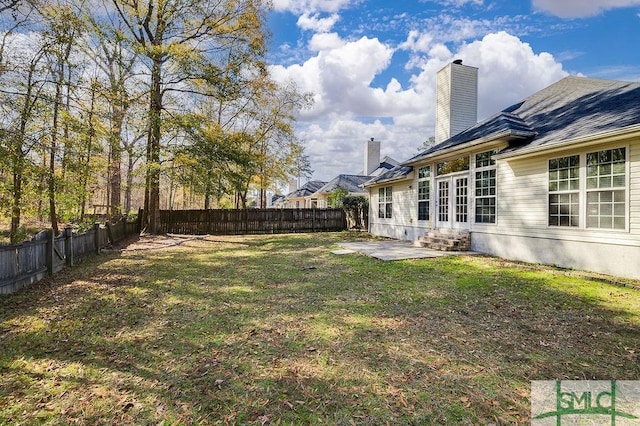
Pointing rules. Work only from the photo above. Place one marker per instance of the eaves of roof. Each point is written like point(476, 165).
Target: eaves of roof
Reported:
point(504, 125)
point(397, 174)
point(597, 138)
point(508, 135)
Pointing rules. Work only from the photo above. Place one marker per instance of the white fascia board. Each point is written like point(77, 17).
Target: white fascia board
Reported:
point(465, 146)
point(594, 139)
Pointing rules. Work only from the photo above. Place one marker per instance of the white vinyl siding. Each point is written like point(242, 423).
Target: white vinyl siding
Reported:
point(523, 192)
point(404, 222)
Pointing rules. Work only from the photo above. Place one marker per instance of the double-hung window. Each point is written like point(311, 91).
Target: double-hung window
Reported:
point(606, 189)
point(424, 193)
point(485, 184)
point(385, 205)
point(564, 191)
point(603, 186)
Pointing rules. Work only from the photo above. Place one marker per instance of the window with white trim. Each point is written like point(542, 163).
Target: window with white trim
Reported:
point(485, 187)
point(424, 192)
point(385, 205)
point(603, 184)
point(564, 191)
point(606, 189)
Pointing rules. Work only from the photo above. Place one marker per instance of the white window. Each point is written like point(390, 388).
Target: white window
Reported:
point(606, 189)
point(602, 186)
point(424, 192)
point(385, 205)
point(564, 191)
point(485, 185)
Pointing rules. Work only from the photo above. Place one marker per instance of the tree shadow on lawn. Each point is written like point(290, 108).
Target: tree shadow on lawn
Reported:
point(211, 331)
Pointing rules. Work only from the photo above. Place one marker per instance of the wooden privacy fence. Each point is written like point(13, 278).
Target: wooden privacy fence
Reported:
point(26, 263)
point(251, 221)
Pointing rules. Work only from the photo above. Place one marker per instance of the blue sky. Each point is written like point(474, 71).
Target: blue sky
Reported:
point(371, 64)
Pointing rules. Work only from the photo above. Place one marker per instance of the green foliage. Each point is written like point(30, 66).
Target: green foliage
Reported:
point(335, 199)
point(185, 83)
point(357, 209)
point(430, 142)
point(215, 162)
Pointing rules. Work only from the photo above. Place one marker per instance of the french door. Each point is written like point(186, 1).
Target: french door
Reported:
point(452, 202)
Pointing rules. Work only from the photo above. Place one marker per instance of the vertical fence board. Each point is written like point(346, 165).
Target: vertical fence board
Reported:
point(26, 263)
point(251, 221)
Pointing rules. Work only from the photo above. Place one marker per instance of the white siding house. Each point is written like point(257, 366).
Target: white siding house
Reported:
point(554, 179)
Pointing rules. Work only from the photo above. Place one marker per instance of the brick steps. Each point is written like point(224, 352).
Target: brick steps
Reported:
point(445, 240)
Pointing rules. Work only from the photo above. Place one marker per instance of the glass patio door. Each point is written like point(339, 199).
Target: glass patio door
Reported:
point(452, 202)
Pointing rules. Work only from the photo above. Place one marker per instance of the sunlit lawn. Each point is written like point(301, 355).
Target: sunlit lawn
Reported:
point(278, 330)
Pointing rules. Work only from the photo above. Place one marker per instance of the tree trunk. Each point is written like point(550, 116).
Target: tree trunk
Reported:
point(52, 157)
point(127, 192)
point(115, 154)
point(85, 177)
point(17, 199)
point(153, 151)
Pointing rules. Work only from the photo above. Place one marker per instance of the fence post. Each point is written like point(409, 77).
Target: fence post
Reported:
point(139, 220)
point(96, 239)
point(51, 251)
point(109, 232)
point(68, 246)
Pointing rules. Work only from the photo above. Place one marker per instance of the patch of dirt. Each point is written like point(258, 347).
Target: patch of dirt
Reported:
point(153, 242)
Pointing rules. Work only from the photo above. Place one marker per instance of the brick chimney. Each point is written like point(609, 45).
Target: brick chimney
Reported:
point(371, 156)
point(456, 99)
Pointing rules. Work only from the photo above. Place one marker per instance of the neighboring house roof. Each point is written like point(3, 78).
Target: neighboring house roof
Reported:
point(572, 108)
point(396, 173)
point(386, 164)
point(350, 183)
point(307, 189)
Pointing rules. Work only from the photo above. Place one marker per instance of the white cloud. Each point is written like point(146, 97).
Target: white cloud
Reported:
point(340, 74)
point(316, 24)
point(446, 28)
point(580, 8)
point(417, 42)
point(352, 106)
point(325, 42)
point(509, 70)
point(312, 6)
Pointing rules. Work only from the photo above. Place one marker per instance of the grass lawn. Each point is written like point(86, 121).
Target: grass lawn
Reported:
point(278, 330)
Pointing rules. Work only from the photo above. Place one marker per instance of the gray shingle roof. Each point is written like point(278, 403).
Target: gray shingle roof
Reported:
point(577, 107)
point(350, 183)
point(571, 108)
point(307, 189)
point(396, 173)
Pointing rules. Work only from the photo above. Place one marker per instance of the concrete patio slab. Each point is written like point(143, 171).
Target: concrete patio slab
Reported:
point(393, 250)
